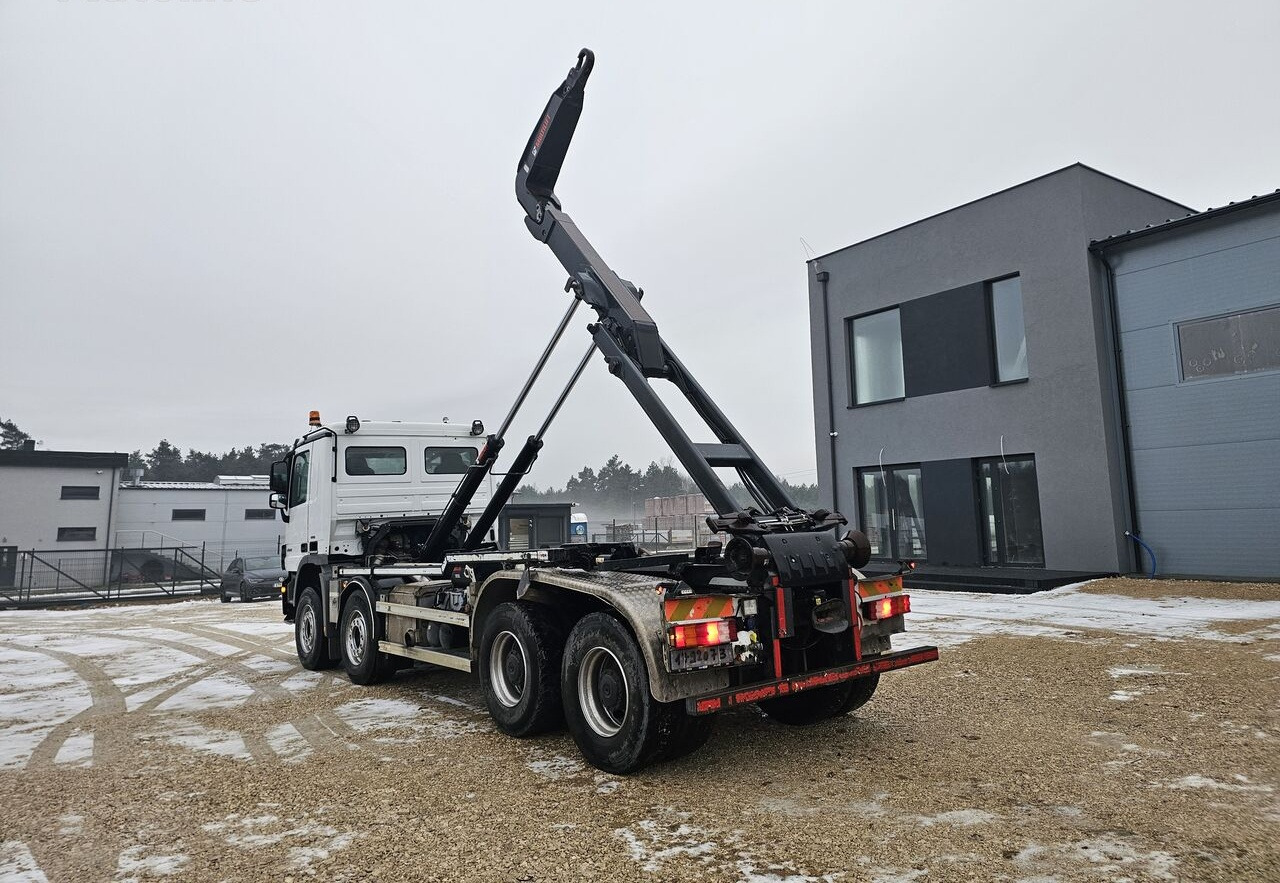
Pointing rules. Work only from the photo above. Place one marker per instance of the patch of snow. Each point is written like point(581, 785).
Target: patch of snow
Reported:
point(76, 750)
point(652, 845)
point(885, 875)
point(286, 741)
point(365, 715)
point(1126, 695)
point(950, 618)
point(135, 863)
point(449, 700)
point(1197, 781)
point(605, 785)
point(70, 824)
point(318, 841)
point(958, 817)
point(302, 680)
point(18, 865)
point(39, 693)
point(1110, 854)
point(1126, 671)
point(556, 767)
point(216, 691)
point(207, 740)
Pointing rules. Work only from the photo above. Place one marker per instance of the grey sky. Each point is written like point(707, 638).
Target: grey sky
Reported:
point(215, 216)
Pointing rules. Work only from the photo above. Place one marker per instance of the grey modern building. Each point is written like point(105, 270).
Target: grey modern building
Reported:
point(971, 405)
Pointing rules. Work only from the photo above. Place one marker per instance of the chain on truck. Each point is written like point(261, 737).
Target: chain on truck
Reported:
point(391, 560)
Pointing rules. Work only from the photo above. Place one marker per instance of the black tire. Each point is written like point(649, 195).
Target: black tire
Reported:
point(688, 733)
point(860, 693)
point(618, 725)
point(520, 654)
point(363, 662)
point(821, 703)
point(308, 632)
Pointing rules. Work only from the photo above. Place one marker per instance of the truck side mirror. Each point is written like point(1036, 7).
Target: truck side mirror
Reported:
point(276, 501)
point(280, 477)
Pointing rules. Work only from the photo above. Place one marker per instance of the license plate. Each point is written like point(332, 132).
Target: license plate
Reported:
point(700, 657)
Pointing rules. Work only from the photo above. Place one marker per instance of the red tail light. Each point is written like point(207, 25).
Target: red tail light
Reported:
point(886, 608)
point(703, 634)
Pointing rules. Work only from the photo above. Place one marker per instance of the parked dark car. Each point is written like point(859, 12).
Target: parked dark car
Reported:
point(258, 576)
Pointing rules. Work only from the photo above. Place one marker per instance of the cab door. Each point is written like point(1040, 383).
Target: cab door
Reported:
point(300, 537)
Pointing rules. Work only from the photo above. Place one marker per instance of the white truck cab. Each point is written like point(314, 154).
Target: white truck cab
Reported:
point(343, 480)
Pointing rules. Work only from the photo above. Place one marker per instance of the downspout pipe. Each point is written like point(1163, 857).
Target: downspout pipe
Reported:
point(1119, 408)
point(822, 276)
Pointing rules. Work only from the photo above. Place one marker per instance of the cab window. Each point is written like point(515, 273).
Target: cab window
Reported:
point(376, 461)
point(449, 461)
point(298, 478)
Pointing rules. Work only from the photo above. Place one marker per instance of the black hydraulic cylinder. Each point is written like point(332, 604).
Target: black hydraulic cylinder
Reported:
point(518, 469)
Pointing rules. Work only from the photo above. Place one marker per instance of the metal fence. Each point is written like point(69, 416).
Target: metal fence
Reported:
point(660, 532)
point(44, 577)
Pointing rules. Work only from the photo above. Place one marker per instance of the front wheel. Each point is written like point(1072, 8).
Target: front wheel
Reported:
point(363, 662)
point(308, 633)
point(618, 725)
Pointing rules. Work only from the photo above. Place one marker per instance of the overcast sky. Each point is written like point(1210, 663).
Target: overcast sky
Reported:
point(216, 216)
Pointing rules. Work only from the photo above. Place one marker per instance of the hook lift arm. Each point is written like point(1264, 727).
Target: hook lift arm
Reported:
point(634, 350)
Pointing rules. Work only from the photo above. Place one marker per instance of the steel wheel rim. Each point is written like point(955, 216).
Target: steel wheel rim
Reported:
point(355, 640)
point(307, 628)
point(603, 695)
point(508, 669)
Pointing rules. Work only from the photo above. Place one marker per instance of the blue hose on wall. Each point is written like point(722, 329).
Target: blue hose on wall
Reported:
point(1137, 539)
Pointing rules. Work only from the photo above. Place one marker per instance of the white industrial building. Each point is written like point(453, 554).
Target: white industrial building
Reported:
point(75, 501)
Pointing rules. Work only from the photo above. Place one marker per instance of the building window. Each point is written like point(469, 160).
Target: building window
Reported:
point(1008, 330)
point(77, 534)
point(1240, 343)
point(376, 461)
point(1009, 497)
point(188, 515)
point(259, 514)
point(448, 461)
point(891, 510)
point(81, 492)
point(875, 344)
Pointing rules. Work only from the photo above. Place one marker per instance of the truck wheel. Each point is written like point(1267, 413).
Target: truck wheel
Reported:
point(308, 634)
point(812, 706)
point(618, 725)
point(688, 733)
point(363, 662)
point(520, 655)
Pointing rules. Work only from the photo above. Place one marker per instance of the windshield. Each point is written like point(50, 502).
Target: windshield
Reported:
point(262, 562)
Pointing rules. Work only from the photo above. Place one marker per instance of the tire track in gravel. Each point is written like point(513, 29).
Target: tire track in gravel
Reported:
point(106, 699)
point(319, 728)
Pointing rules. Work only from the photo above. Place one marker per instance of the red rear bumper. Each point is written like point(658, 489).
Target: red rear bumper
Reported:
point(809, 680)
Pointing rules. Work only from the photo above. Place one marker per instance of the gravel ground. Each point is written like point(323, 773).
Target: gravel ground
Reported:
point(1090, 735)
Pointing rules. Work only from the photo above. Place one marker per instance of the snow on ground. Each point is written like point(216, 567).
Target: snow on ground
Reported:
point(951, 618)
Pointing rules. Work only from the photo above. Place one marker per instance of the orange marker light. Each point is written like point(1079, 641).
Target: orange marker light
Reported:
point(314, 418)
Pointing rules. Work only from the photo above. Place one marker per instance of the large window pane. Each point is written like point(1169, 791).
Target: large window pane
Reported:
point(876, 341)
point(1008, 328)
point(874, 506)
point(1010, 499)
point(1237, 344)
point(891, 510)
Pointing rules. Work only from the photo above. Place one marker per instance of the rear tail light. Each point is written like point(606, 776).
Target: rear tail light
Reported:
point(702, 634)
point(887, 608)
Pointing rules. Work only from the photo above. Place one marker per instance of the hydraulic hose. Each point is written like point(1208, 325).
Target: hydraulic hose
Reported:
point(1151, 552)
